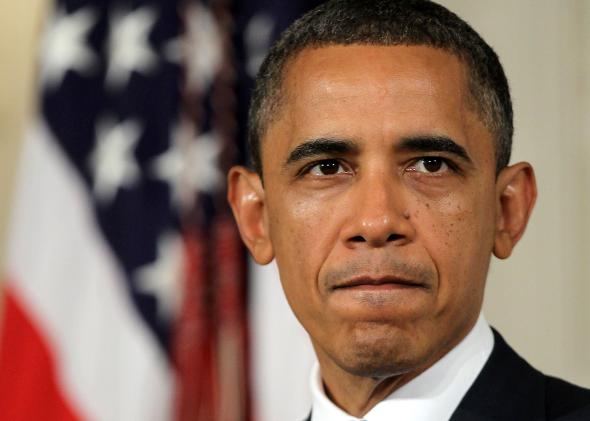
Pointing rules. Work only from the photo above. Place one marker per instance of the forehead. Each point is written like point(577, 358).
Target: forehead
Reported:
point(376, 61)
point(362, 91)
point(366, 72)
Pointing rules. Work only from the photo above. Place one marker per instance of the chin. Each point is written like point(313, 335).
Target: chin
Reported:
point(381, 354)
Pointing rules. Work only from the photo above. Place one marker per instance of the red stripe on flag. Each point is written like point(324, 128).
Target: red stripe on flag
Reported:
point(28, 386)
point(232, 319)
point(194, 342)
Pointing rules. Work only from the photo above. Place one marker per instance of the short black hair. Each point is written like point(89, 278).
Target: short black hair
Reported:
point(387, 23)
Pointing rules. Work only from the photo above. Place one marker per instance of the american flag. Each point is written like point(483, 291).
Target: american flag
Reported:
point(126, 287)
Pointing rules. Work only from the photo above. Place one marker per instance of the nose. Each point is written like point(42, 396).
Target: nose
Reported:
point(378, 213)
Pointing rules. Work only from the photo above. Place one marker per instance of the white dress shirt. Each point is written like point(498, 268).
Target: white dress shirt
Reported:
point(432, 396)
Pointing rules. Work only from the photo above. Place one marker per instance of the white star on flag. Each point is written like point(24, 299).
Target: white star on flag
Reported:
point(129, 48)
point(200, 49)
point(162, 278)
point(190, 165)
point(112, 162)
point(64, 46)
point(205, 167)
point(172, 165)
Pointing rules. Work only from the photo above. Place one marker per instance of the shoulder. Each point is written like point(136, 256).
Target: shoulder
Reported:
point(509, 388)
point(565, 400)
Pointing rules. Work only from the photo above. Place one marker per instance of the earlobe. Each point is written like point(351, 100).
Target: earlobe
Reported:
point(246, 198)
point(515, 198)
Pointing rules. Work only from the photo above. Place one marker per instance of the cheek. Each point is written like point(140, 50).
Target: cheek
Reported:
point(302, 235)
point(459, 221)
point(457, 233)
point(305, 223)
point(294, 230)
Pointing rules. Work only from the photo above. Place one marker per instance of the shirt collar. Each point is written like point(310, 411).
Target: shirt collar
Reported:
point(433, 395)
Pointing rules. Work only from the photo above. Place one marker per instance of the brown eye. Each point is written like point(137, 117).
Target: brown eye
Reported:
point(327, 167)
point(431, 165)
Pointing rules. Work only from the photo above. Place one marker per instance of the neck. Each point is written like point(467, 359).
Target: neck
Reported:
point(357, 395)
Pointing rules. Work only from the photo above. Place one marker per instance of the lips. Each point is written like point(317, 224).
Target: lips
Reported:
point(378, 283)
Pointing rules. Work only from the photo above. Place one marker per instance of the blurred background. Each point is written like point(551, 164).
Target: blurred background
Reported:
point(125, 292)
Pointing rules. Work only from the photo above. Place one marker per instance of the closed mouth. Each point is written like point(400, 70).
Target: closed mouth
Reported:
point(379, 283)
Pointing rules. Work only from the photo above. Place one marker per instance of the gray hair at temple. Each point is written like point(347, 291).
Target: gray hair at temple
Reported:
point(387, 23)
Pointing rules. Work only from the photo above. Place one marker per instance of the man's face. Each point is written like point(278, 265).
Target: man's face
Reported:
point(379, 184)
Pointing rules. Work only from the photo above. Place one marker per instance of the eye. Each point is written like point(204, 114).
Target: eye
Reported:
point(430, 165)
point(327, 167)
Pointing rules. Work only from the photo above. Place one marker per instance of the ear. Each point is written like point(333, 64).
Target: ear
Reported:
point(516, 193)
point(245, 194)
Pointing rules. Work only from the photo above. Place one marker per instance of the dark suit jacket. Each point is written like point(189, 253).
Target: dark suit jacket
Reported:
point(509, 389)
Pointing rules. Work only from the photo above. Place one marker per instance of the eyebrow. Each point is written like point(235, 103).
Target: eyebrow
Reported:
point(320, 146)
point(433, 144)
point(423, 143)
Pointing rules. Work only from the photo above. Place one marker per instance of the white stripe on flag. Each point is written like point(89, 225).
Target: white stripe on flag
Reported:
point(282, 355)
point(109, 364)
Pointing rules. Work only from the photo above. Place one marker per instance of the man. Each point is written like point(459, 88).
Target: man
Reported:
point(380, 134)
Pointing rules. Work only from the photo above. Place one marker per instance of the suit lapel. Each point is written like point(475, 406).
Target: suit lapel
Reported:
point(507, 388)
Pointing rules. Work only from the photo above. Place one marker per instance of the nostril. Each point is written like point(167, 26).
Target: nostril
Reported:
point(394, 237)
point(358, 239)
